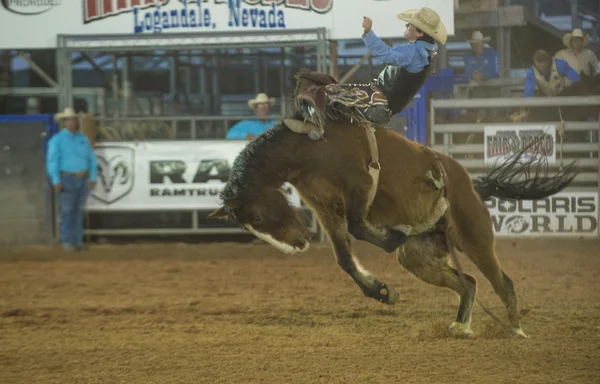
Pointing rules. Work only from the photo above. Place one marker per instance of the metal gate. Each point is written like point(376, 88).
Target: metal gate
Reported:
point(25, 198)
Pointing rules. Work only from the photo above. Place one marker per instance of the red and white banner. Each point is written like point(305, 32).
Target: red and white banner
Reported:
point(28, 24)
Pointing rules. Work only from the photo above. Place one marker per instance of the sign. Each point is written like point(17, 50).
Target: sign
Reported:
point(502, 142)
point(564, 214)
point(38, 22)
point(165, 175)
point(29, 7)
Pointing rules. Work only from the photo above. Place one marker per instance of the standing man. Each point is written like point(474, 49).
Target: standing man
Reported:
point(72, 168)
point(249, 129)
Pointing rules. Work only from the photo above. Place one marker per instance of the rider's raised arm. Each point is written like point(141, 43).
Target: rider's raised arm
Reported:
point(382, 51)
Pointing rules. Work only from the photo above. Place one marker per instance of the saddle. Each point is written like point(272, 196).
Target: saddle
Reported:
point(319, 97)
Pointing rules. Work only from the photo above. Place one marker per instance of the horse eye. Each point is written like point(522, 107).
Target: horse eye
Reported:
point(257, 219)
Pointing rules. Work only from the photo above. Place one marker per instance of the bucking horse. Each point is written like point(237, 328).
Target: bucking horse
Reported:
point(364, 181)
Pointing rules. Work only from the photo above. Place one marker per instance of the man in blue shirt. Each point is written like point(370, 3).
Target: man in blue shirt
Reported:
point(482, 62)
point(72, 167)
point(548, 75)
point(249, 129)
point(408, 66)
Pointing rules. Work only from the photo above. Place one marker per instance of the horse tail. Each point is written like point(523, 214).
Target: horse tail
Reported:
point(524, 179)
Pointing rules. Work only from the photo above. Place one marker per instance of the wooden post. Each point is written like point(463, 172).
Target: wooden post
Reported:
point(333, 59)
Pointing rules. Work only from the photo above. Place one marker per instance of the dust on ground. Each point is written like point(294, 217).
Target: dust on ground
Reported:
point(246, 313)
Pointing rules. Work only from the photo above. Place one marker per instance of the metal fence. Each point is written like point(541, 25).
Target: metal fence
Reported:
point(27, 206)
point(575, 141)
point(168, 127)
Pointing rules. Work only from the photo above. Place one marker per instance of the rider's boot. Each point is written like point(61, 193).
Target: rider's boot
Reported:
point(378, 114)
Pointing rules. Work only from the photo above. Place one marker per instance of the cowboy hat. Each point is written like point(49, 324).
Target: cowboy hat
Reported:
point(261, 98)
point(577, 32)
point(65, 114)
point(428, 21)
point(477, 37)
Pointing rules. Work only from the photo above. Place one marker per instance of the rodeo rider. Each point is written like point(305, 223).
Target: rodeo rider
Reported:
point(72, 168)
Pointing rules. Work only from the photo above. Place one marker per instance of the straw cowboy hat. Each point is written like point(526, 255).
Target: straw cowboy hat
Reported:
point(428, 21)
point(477, 37)
point(65, 114)
point(577, 32)
point(261, 98)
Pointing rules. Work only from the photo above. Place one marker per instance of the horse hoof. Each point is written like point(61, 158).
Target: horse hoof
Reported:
point(390, 295)
point(518, 332)
point(461, 330)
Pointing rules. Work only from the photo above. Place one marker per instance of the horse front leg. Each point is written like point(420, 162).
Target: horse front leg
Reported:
point(335, 227)
point(358, 226)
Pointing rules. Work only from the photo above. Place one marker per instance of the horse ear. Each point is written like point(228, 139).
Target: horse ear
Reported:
point(218, 214)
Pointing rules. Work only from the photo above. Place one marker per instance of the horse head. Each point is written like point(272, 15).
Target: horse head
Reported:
point(268, 215)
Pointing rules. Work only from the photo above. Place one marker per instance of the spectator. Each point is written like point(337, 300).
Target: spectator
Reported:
point(482, 62)
point(548, 74)
point(249, 129)
point(72, 168)
point(581, 59)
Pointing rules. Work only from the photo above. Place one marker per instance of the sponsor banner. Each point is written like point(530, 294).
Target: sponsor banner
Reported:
point(564, 214)
point(165, 175)
point(503, 141)
point(38, 22)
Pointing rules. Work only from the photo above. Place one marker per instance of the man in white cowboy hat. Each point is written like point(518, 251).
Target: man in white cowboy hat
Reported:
point(581, 59)
point(72, 168)
point(249, 129)
point(481, 62)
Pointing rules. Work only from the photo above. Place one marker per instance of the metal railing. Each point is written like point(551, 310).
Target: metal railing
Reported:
point(575, 140)
point(168, 127)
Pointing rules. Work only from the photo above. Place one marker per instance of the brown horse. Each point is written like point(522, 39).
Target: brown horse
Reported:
point(332, 178)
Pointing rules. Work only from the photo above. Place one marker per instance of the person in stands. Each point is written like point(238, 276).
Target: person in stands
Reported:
point(249, 129)
point(549, 75)
point(481, 62)
point(581, 59)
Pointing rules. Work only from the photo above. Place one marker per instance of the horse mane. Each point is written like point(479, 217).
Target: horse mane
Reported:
point(252, 158)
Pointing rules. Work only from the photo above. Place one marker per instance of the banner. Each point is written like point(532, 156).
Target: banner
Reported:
point(37, 23)
point(501, 142)
point(564, 214)
point(165, 175)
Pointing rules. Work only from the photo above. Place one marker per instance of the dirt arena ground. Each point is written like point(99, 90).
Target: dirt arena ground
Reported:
point(246, 313)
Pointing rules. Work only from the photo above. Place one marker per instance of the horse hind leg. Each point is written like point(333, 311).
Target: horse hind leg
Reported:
point(477, 242)
point(426, 257)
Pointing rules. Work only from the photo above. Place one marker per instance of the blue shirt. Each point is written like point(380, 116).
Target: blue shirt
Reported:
point(412, 56)
point(70, 152)
point(486, 63)
point(253, 127)
point(562, 67)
